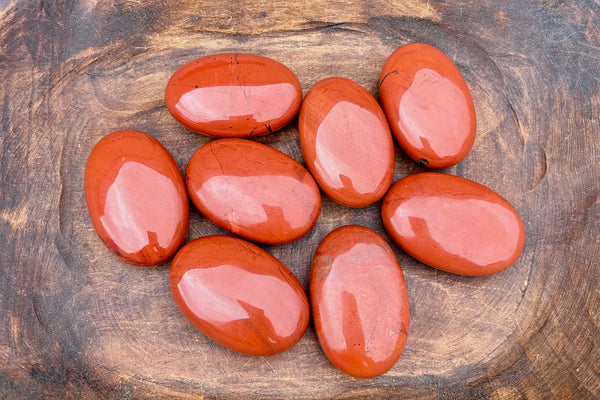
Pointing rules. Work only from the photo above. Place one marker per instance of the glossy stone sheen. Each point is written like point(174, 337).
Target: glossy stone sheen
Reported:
point(239, 295)
point(346, 142)
point(253, 190)
point(428, 105)
point(453, 224)
point(359, 301)
point(136, 198)
point(233, 95)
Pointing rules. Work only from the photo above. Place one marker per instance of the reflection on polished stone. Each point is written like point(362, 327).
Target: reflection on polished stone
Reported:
point(136, 198)
point(253, 190)
point(346, 142)
point(428, 105)
point(454, 224)
point(233, 95)
point(239, 295)
point(359, 301)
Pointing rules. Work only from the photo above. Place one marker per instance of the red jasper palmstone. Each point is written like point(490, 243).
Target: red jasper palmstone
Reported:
point(253, 190)
point(136, 198)
point(239, 295)
point(359, 301)
point(428, 105)
point(453, 224)
point(233, 95)
point(346, 142)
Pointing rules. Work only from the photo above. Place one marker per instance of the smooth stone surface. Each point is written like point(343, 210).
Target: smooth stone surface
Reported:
point(233, 95)
point(136, 198)
point(239, 295)
point(253, 190)
point(428, 105)
point(346, 142)
point(453, 224)
point(359, 301)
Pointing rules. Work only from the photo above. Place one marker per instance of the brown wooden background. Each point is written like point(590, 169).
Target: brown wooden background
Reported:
point(77, 323)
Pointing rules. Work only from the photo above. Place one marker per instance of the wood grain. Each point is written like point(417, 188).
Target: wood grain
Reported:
point(77, 323)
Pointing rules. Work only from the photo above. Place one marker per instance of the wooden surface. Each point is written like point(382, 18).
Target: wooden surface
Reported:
point(77, 323)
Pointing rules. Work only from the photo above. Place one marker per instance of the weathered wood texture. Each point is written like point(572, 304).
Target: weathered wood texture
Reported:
point(77, 323)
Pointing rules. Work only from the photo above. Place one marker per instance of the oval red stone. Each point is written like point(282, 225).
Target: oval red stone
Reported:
point(428, 105)
point(233, 95)
point(359, 301)
point(136, 198)
point(346, 142)
point(253, 190)
point(453, 224)
point(239, 295)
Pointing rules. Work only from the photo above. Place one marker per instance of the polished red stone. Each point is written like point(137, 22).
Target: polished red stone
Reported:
point(359, 301)
point(239, 295)
point(233, 95)
point(136, 198)
point(253, 190)
point(453, 224)
point(428, 105)
point(346, 142)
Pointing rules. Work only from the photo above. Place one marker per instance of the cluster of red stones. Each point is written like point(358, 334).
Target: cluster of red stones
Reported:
point(237, 293)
